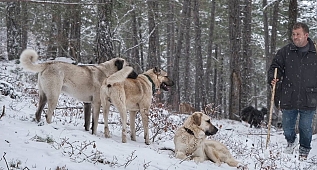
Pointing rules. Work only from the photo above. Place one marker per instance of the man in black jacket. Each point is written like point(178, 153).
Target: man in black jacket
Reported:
point(297, 77)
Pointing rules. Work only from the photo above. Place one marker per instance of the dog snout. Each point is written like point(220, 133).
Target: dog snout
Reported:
point(212, 130)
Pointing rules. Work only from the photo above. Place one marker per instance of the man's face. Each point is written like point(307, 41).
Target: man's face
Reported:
point(299, 37)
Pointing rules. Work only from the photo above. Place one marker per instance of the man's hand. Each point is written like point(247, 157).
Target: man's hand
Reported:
point(274, 81)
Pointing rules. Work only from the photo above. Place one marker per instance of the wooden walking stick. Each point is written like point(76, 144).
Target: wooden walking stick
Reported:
point(271, 109)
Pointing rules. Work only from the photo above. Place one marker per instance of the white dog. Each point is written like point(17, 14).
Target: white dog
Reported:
point(80, 82)
point(190, 141)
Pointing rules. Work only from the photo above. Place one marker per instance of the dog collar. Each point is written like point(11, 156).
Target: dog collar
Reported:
point(153, 85)
point(189, 131)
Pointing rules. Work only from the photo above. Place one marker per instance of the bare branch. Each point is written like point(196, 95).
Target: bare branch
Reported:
point(4, 158)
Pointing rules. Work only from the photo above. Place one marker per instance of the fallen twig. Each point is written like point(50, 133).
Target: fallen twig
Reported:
point(130, 159)
point(4, 158)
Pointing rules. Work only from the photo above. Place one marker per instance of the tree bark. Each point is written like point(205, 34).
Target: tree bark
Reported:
point(211, 87)
point(246, 55)
point(55, 33)
point(24, 25)
point(199, 85)
point(235, 74)
point(170, 46)
point(187, 63)
point(176, 88)
point(104, 49)
point(74, 41)
point(274, 28)
point(142, 62)
point(14, 30)
point(135, 54)
point(153, 55)
point(292, 17)
point(63, 49)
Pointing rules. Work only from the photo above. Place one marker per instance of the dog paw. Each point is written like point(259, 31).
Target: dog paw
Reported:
point(41, 123)
point(218, 163)
point(107, 134)
point(147, 141)
point(198, 159)
point(35, 120)
point(124, 140)
point(180, 155)
point(48, 119)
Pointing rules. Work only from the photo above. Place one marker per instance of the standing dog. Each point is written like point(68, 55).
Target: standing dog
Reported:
point(190, 141)
point(131, 95)
point(81, 82)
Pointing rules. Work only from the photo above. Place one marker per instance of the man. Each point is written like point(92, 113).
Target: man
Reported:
point(296, 65)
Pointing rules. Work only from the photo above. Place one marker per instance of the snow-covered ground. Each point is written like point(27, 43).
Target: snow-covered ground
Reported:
point(65, 144)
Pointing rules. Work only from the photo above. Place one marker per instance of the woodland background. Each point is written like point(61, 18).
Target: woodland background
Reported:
point(217, 51)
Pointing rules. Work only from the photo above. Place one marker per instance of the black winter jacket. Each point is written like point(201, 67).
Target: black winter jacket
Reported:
point(297, 73)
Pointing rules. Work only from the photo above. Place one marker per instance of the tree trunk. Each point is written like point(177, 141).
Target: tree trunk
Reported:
point(55, 34)
point(170, 46)
point(221, 86)
point(217, 94)
point(274, 28)
point(24, 25)
point(153, 56)
point(292, 17)
point(65, 29)
point(176, 88)
point(14, 30)
point(246, 55)
point(187, 66)
point(135, 56)
point(199, 85)
point(75, 23)
point(104, 41)
point(141, 46)
point(235, 75)
point(210, 91)
point(266, 46)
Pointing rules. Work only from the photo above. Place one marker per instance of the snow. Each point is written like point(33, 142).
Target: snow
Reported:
point(64, 144)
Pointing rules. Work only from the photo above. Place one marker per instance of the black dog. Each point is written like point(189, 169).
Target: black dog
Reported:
point(253, 116)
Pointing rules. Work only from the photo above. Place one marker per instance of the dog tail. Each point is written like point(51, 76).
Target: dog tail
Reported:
point(119, 76)
point(28, 58)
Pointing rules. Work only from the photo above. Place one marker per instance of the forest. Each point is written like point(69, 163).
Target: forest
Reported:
point(216, 51)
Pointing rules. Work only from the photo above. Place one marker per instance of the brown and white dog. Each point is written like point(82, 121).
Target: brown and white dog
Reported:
point(190, 141)
point(80, 82)
point(131, 95)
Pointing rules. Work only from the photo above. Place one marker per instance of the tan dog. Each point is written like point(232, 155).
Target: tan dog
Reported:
point(186, 108)
point(80, 82)
point(190, 141)
point(131, 95)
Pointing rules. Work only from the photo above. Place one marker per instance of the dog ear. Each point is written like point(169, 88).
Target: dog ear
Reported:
point(119, 64)
point(197, 118)
point(157, 70)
